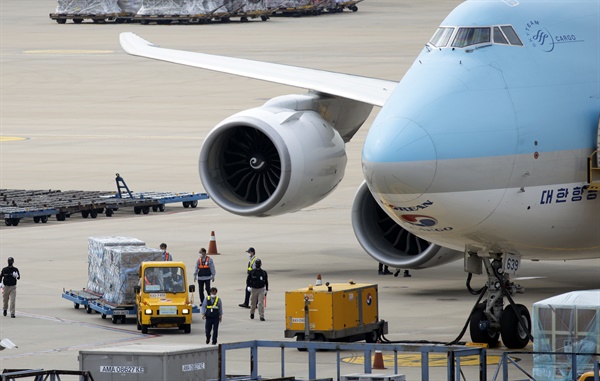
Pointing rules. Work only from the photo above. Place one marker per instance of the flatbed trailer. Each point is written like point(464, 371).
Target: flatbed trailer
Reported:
point(93, 301)
point(16, 204)
point(161, 19)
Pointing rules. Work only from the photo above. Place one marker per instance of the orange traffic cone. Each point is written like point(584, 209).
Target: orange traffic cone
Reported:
point(378, 360)
point(212, 245)
point(319, 281)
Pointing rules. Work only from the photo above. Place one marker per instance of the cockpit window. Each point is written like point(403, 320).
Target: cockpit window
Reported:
point(499, 37)
point(441, 37)
point(512, 36)
point(471, 36)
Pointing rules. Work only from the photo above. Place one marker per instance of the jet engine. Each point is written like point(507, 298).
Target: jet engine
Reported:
point(389, 243)
point(280, 157)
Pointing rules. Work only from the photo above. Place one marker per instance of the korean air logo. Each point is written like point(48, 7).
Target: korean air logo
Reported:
point(419, 220)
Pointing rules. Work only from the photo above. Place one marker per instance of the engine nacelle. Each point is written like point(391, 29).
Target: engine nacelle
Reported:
point(386, 241)
point(273, 159)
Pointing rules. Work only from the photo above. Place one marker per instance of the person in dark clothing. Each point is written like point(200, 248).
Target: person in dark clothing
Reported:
point(8, 279)
point(212, 312)
point(258, 284)
point(251, 265)
point(384, 269)
point(205, 273)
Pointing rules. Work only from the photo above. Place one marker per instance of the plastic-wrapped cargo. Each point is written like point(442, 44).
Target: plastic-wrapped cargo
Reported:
point(161, 8)
point(130, 6)
point(255, 6)
point(121, 265)
point(565, 323)
point(88, 7)
point(288, 3)
point(96, 250)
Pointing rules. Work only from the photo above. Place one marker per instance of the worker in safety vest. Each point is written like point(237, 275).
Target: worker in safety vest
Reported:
point(166, 255)
point(205, 272)
point(251, 266)
point(212, 312)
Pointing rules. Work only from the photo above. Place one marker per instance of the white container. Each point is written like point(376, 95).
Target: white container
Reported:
point(143, 362)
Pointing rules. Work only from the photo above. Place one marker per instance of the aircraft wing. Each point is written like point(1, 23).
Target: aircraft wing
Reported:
point(368, 90)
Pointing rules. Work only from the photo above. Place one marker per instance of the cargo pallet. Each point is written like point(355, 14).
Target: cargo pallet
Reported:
point(93, 301)
point(162, 19)
point(16, 204)
point(316, 9)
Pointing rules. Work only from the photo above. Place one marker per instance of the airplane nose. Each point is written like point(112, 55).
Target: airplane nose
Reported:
point(399, 157)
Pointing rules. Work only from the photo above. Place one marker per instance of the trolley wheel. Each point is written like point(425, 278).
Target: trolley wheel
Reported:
point(243, 19)
point(77, 21)
point(114, 319)
point(145, 209)
point(109, 212)
point(300, 337)
point(161, 207)
point(144, 22)
point(194, 203)
point(36, 219)
point(354, 8)
point(137, 209)
point(76, 306)
point(371, 337)
point(264, 18)
point(44, 219)
point(186, 204)
point(85, 213)
point(94, 213)
point(15, 221)
point(103, 316)
point(8, 221)
point(154, 208)
point(61, 20)
point(88, 309)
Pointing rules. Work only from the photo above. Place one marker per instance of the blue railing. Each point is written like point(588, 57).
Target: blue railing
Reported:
point(573, 373)
point(453, 368)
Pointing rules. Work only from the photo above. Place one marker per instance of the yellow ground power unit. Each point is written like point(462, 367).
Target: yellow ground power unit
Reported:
point(335, 312)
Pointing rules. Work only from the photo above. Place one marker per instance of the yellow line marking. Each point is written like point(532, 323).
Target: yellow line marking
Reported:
point(414, 360)
point(68, 51)
point(10, 138)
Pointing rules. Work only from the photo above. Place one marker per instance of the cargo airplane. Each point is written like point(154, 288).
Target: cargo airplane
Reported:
point(480, 152)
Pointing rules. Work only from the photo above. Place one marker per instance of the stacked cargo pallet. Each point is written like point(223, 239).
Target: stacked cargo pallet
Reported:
point(190, 11)
point(113, 264)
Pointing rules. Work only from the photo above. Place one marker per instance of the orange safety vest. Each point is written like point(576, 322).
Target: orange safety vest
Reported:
point(204, 267)
point(167, 256)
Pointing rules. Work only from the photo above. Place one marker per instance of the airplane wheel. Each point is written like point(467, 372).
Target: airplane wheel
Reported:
point(514, 336)
point(479, 328)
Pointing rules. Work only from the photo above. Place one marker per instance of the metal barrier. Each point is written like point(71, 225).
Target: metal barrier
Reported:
point(44, 375)
point(453, 368)
point(506, 360)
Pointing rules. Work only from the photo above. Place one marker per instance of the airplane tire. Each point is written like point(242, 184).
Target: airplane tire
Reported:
point(513, 334)
point(478, 324)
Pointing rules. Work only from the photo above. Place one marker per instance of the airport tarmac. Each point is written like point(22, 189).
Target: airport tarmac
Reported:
point(86, 111)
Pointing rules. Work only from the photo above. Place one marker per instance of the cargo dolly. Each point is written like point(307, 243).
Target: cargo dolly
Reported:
point(93, 301)
point(16, 204)
point(78, 18)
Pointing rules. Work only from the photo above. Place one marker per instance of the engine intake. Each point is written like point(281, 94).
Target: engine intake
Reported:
point(389, 243)
point(273, 159)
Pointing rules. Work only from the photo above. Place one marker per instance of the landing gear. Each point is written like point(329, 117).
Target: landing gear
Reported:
point(490, 319)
